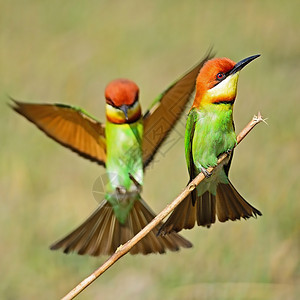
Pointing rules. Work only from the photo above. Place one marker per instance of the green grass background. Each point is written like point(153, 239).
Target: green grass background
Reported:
point(67, 51)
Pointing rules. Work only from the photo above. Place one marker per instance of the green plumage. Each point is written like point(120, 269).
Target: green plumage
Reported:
point(125, 147)
point(213, 133)
point(209, 132)
point(124, 157)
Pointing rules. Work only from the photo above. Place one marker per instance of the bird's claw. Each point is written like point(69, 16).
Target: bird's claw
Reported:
point(228, 151)
point(121, 190)
point(205, 172)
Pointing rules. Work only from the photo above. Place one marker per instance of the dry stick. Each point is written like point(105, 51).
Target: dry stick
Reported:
point(123, 249)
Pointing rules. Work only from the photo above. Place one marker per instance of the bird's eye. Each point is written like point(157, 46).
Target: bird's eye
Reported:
point(220, 76)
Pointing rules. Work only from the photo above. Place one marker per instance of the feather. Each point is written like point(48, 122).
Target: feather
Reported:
point(68, 125)
point(166, 111)
point(102, 233)
point(231, 205)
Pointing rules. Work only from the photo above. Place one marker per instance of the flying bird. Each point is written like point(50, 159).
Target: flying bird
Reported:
point(209, 133)
point(125, 146)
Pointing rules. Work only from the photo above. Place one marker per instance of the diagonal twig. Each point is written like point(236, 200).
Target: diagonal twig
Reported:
point(123, 249)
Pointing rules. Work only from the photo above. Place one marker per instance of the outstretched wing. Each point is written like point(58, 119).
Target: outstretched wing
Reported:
point(68, 125)
point(166, 111)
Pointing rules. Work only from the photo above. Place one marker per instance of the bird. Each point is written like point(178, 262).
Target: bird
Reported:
point(125, 145)
point(210, 132)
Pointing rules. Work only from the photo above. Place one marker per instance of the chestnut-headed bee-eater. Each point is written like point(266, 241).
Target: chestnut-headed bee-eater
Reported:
point(125, 145)
point(209, 133)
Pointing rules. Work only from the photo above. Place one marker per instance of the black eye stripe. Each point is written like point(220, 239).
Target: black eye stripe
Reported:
point(136, 98)
point(110, 102)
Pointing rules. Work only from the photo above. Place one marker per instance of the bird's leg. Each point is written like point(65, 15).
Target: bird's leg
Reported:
point(121, 190)
point(136, 183)
point(120, 194)
point(205, 172)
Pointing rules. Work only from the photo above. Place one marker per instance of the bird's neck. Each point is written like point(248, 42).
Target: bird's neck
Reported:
point(216, 105)
point(221, 112)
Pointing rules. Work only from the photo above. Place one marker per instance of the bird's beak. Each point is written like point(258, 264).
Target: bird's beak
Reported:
point(124, 109)
point(241, 64)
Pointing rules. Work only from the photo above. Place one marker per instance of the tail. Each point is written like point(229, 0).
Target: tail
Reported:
point(227, 205)
point(102, 233)
point(232, 206)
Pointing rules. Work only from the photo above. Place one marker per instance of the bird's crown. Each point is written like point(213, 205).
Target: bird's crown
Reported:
point(122, 105)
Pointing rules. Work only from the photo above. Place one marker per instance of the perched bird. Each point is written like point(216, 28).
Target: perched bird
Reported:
point(125, 146)
point(209, 133)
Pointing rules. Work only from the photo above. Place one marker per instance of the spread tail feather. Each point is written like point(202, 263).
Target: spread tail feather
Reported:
point(231, 205)
point(102, 233)
point(227, 205)
point(186, 214)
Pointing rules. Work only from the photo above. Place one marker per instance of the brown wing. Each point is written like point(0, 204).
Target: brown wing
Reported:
point(166, 111)
point(70, 126)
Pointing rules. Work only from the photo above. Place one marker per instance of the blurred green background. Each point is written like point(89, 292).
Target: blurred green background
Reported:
point(67, 51)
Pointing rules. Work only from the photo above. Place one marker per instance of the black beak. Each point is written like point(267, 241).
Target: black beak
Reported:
point(124, 109)
point(241, 64)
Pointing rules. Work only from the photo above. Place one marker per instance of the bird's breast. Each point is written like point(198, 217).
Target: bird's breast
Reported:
point(124, 155)
point(213, 135)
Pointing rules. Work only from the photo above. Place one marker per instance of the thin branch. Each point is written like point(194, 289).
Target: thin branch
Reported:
point(123, 249)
